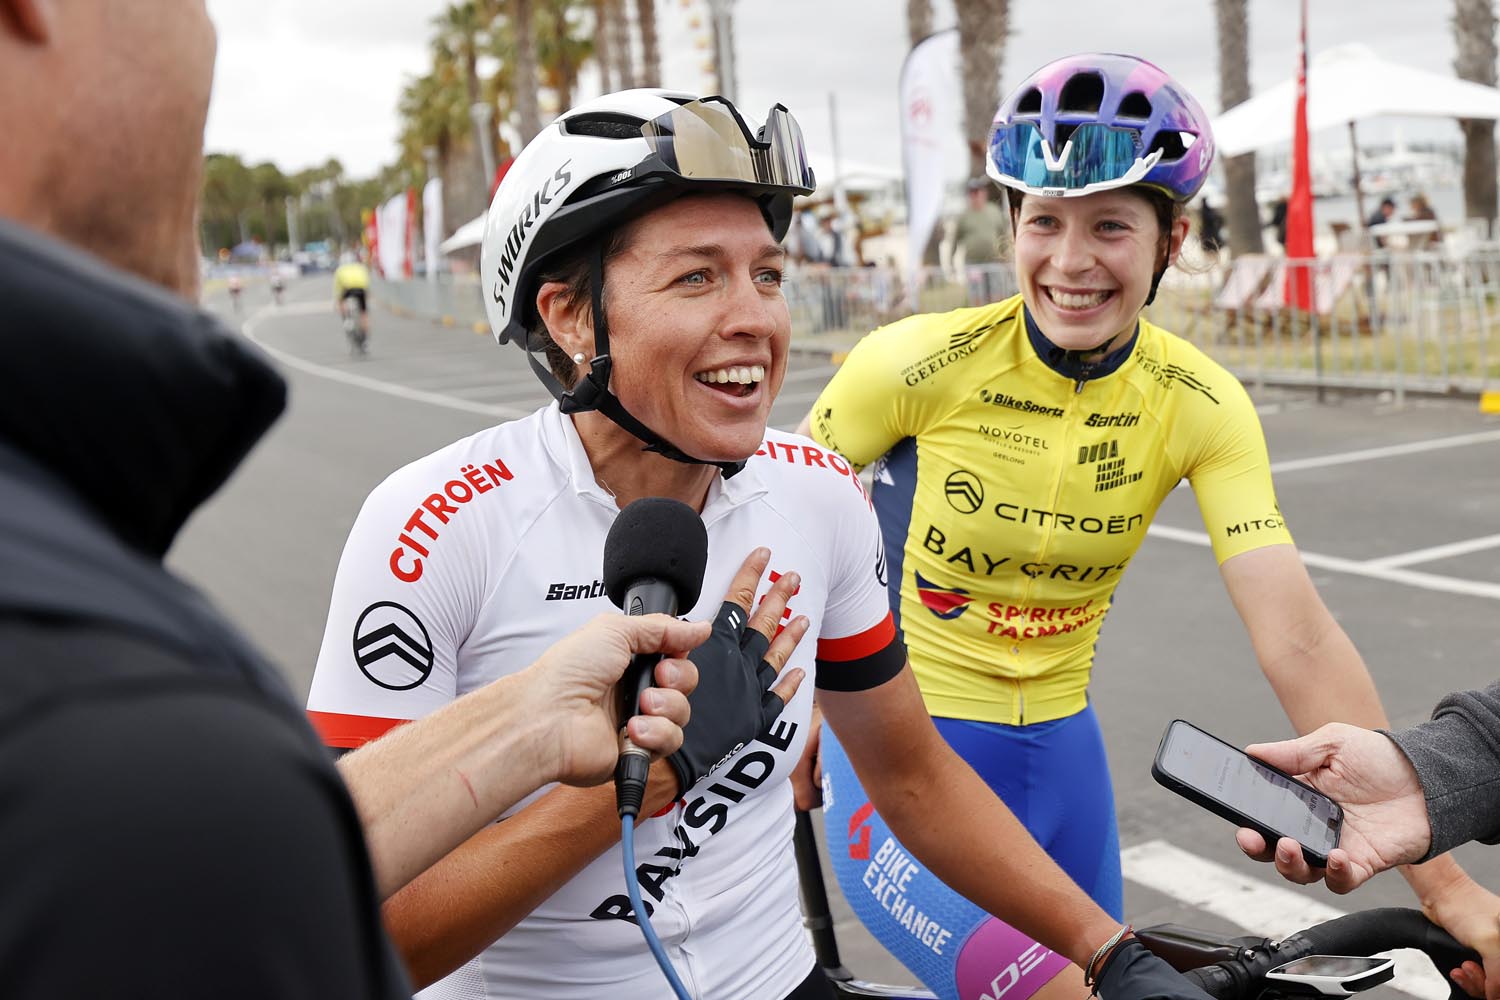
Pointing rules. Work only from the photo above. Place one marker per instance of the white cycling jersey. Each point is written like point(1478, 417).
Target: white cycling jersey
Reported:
point(465, 565)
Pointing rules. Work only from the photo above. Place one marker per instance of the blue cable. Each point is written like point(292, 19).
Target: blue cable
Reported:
point(633, 890)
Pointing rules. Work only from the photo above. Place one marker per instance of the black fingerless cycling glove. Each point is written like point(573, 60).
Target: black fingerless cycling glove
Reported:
point(1130, 972)
point(732, 704)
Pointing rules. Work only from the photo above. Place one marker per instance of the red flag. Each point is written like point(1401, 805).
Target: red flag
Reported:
point(1299, 208)
point(411, 229)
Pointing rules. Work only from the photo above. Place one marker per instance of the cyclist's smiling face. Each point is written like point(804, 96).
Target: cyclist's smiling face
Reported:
point(1084, 264)
point(698, 327)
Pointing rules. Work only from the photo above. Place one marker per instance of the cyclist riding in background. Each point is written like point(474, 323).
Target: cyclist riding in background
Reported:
point(1021, 450)
point(351, 287)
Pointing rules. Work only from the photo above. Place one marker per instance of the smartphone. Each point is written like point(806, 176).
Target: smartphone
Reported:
point(1332, 975)
point(1228, 782)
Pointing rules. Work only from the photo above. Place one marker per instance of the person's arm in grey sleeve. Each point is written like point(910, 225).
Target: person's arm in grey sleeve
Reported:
point(1457, 758)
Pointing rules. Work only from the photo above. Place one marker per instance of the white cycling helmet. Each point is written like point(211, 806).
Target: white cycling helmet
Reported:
point(601, 164)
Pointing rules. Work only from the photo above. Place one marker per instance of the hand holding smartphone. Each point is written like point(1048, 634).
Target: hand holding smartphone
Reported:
point(1227, 782)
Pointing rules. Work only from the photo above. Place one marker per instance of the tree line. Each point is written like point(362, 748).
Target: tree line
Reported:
point(521, 58)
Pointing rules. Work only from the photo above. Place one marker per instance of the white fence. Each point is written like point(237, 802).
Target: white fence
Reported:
point(1397, 321)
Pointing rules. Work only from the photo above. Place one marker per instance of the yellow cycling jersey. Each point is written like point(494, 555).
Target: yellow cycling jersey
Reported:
point(1012, 497)
point(349, 277)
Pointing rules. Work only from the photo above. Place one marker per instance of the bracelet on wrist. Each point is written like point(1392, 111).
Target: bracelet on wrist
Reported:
point(1090, 971)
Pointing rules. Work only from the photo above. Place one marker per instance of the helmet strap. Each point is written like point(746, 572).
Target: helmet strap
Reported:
point(1166, 261)
point(591, 392)
point(1155, 280)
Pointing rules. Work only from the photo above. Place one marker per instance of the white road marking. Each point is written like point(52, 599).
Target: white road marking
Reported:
point(1390, 451)
point(1406, 577)
point(360, 381)
point(1437, 552)
point(1260, 907)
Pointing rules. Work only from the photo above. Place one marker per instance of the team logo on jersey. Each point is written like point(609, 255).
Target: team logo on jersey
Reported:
point(859, 832)
point(574, 591)
point(1171, 375)
point(881, 574)
point(995, 398)
point(392, 646)
point(945, 602)
point(964, 491)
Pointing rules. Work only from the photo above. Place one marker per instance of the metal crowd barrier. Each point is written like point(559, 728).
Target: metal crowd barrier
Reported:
point(1398, 321)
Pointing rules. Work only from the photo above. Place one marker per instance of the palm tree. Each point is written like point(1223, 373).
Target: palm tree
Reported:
point(528, 119)
point(561, 48)
point(1243, 214)
point(459, 29)
point(603, 50)
point(619, 28)
point(434, 113)
point(270, 190)
point(645, 11)
point(918, 20)
point(227, 197)
point(1474, 33)
point(981, 40)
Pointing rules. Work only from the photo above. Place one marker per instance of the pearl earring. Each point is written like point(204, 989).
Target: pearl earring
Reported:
point(578, 358)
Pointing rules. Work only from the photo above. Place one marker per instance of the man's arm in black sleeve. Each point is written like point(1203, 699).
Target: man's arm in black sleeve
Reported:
point(177, 837)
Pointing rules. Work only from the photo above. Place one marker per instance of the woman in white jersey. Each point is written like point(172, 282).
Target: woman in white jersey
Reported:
point(635, 245)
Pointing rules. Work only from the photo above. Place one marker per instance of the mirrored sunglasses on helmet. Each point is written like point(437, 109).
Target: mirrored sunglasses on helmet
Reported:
point(707, 140)
point(1093, 158)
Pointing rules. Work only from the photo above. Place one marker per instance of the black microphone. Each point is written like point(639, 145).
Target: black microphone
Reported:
point(654, 557)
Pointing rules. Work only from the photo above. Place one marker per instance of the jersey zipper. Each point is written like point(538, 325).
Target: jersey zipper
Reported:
point(1057, 489)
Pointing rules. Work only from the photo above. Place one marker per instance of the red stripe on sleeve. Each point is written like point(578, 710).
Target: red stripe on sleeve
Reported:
point(857, 647)
point(350, 731)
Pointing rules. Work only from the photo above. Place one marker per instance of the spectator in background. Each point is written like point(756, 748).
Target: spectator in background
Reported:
point(1278, 221)
point(1421, 211)
point(978, 233)
point(1210, 227)
point(1380, 217)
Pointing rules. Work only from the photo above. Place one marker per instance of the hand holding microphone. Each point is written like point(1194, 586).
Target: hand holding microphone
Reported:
point(654, 557)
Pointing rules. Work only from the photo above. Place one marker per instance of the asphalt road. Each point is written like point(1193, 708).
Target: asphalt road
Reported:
point(1366, 487)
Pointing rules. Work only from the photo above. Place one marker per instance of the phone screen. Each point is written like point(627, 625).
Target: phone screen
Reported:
point(1335, 966)
point(1249, 787)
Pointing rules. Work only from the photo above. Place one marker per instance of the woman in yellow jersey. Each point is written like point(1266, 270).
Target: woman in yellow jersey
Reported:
point(1023, 449)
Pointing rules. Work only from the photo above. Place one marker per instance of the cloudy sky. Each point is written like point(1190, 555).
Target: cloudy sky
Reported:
point(299, 82)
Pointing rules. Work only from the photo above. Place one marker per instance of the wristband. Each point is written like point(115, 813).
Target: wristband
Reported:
point(1090, 977)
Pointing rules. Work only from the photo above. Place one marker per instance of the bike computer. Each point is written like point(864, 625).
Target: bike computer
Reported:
point(1332, 975)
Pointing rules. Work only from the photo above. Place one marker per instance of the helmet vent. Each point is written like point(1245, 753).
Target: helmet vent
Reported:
point(1173, 145)
point(1029, 103)
point(1135, 105)
point(604, 126)
point(1082, 94)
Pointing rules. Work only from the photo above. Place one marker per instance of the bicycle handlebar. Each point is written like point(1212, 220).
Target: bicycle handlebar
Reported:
point(1363, 933)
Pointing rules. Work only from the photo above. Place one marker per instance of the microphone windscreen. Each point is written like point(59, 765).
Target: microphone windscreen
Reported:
point(660, 538)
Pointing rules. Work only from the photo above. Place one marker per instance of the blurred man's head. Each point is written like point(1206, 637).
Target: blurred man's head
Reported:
point(1387, 207)
point(979, 191)
point(111, 97)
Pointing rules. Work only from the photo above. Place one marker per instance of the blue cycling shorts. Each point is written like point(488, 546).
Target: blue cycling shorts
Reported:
point(1054, 777)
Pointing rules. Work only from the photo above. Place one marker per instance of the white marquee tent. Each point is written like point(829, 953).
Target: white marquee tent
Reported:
point(1345, 84)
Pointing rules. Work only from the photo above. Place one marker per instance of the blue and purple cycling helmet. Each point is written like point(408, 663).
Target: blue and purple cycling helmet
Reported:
point(1097, 121)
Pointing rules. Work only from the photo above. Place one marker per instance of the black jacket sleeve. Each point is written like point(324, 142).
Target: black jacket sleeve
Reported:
point(177, 837)
point(1457, 757)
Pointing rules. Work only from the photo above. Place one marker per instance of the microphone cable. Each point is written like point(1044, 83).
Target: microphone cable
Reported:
point(633, 890)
